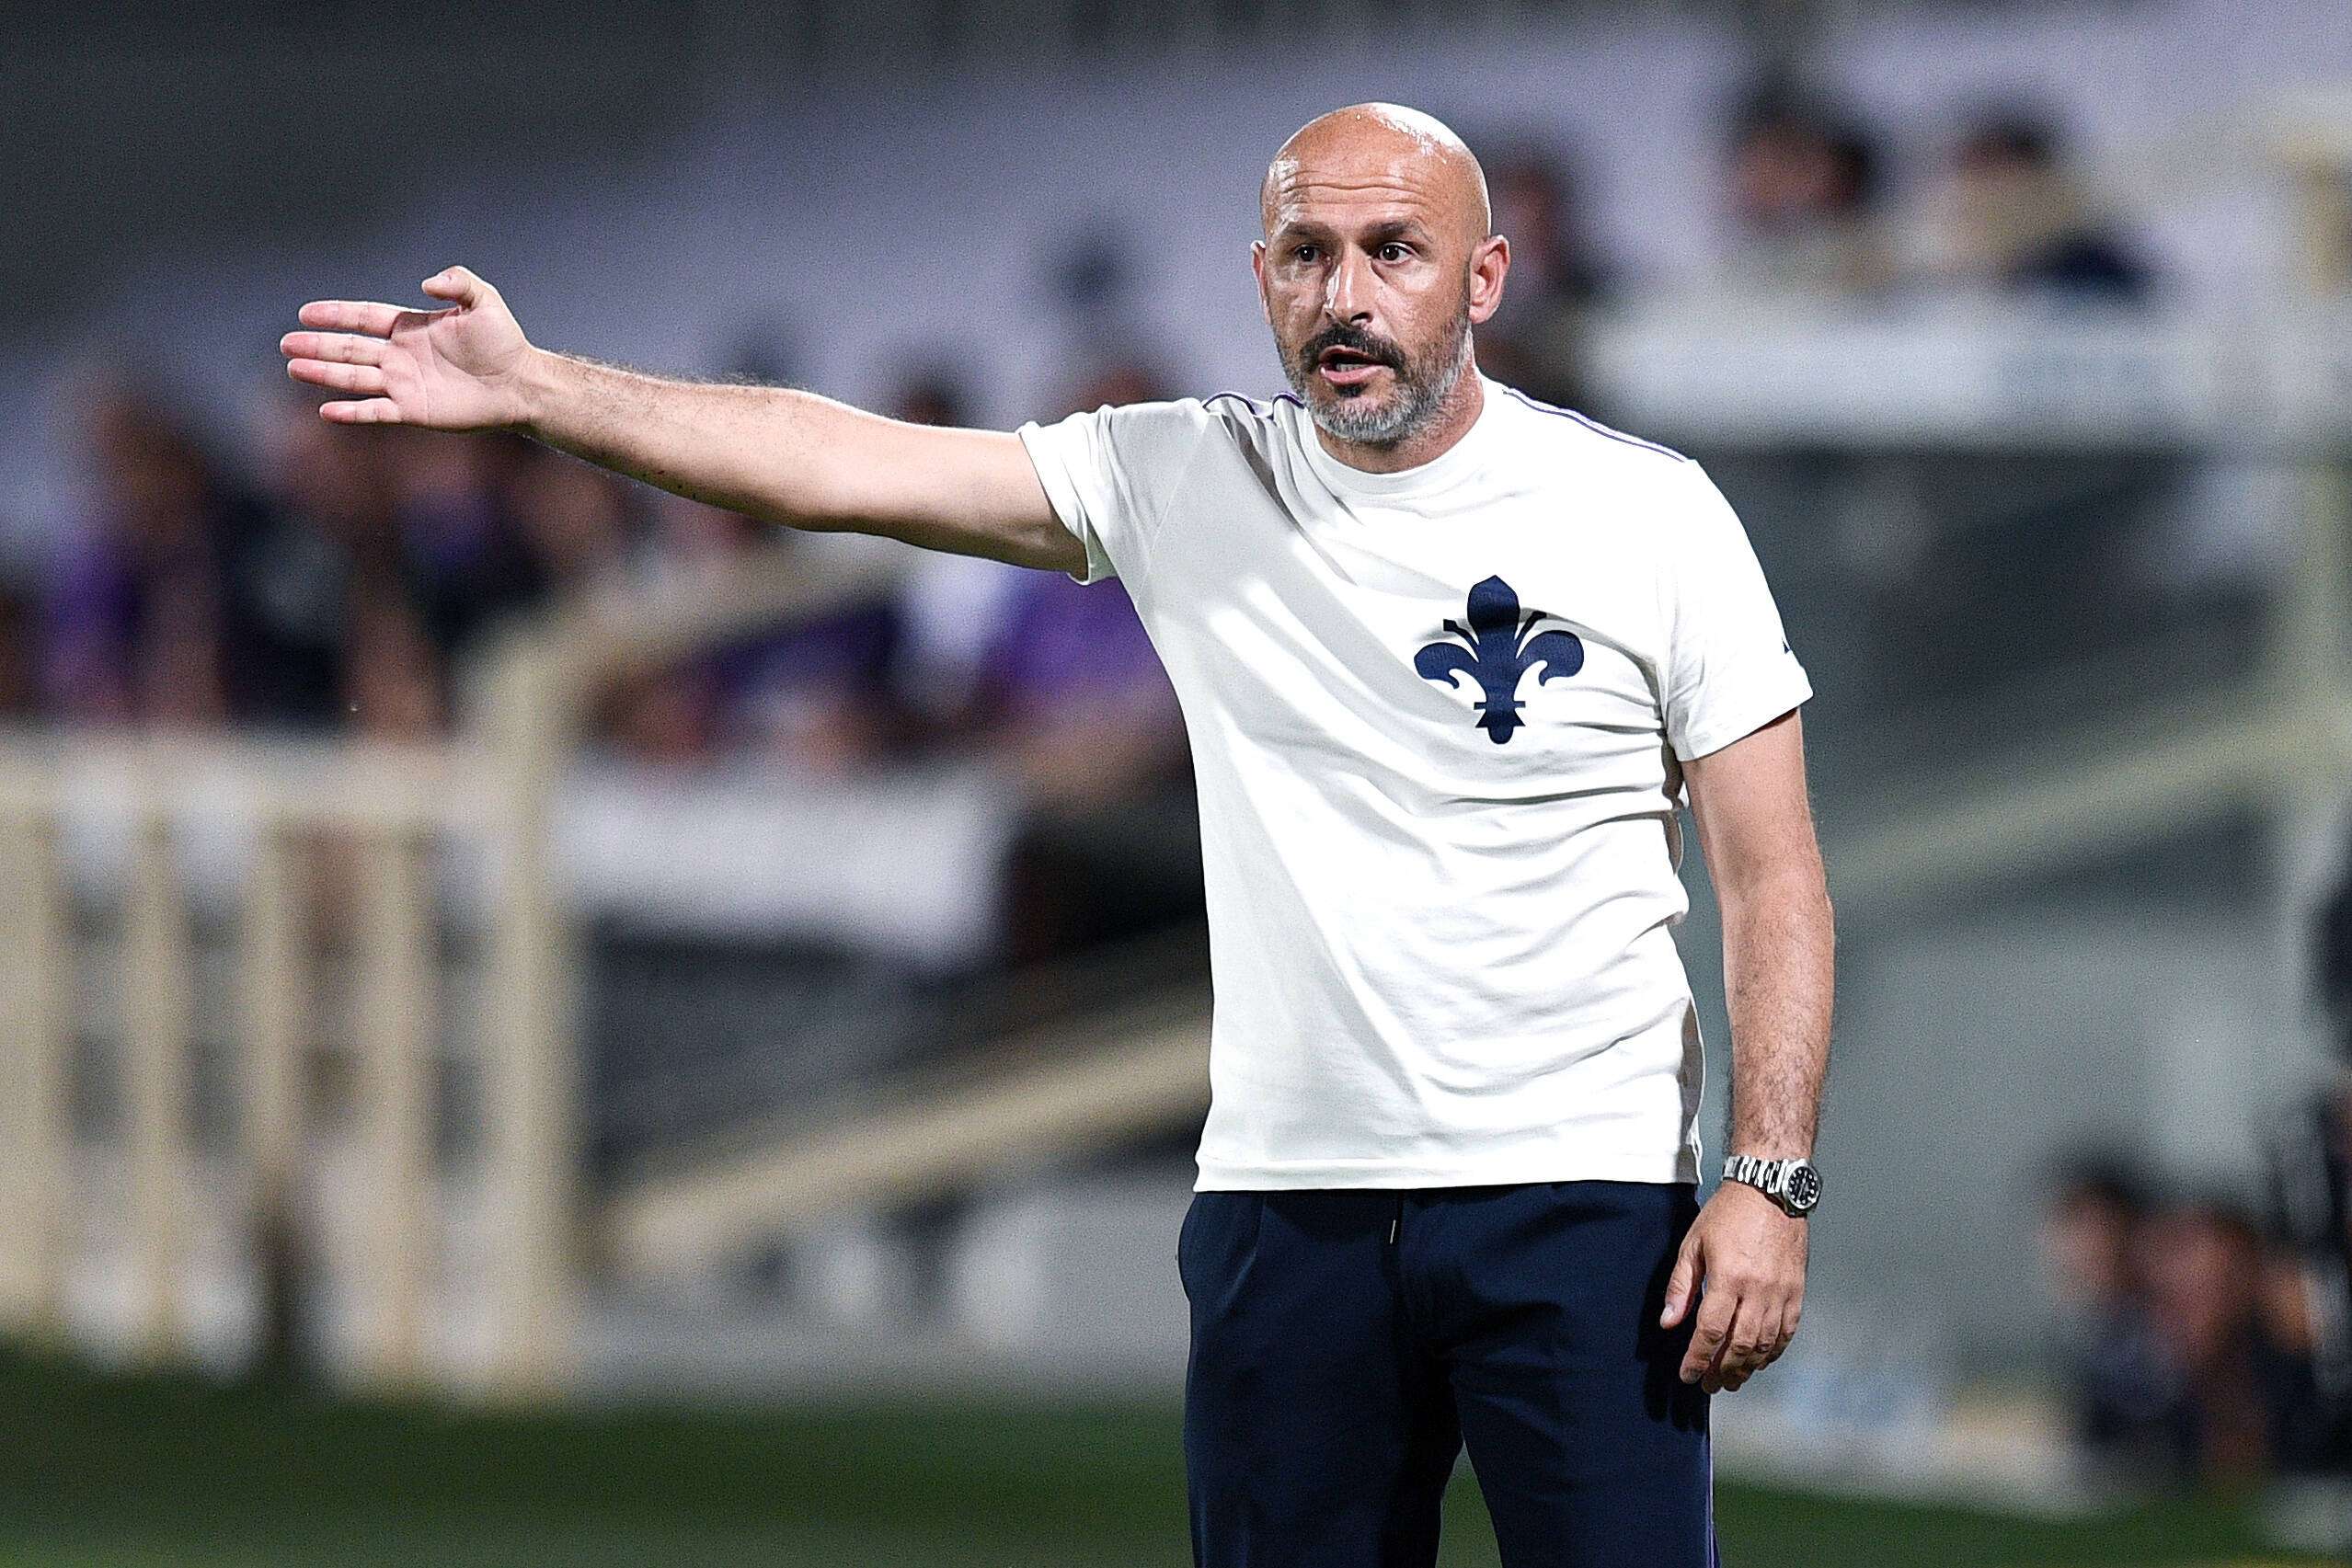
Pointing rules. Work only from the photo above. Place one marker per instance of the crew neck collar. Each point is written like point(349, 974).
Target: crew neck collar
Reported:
point(1449, 466)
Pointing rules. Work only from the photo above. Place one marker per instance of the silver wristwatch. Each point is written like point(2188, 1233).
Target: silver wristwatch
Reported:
point(1794, 1185)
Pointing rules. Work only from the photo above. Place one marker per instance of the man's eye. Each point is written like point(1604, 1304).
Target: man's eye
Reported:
point(1303, 252)
point(1400, 252)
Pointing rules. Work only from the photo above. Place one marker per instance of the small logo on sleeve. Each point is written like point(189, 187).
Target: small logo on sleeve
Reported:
point(1498, 647)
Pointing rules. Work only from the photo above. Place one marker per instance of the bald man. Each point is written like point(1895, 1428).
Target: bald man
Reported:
point(1451, 661)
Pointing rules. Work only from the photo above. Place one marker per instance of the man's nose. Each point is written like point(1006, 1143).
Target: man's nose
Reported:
point(1346, 296)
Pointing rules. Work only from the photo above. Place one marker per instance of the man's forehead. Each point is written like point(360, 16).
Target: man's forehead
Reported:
point(1296, 194)
point(1370, 158)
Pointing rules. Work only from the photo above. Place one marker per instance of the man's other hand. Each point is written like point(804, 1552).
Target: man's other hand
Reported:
point(1750, 1257)
point(460, 368)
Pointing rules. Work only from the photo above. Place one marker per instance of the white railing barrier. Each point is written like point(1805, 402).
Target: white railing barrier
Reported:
point(382, 812)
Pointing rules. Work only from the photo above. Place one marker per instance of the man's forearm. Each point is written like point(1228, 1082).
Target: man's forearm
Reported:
point(1779, 948)
point(753, 449)
point(793, 457)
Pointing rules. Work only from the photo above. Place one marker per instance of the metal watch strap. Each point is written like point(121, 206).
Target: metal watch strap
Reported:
point(1769, 1177)
point(1765, 1176)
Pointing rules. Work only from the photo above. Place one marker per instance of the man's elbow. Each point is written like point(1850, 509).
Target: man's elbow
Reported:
point(1790, 883)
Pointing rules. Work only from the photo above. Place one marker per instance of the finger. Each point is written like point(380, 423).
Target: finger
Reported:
point(1742, 1351)
point(346, 347)
point(458, 284)
point(1786, 1332)
point(364, 379)
point(374, 411)
point(1716, 1310)
point(1771, 1350)
point(1774, 1344)
point(351, 315)
point(1681, 1283)
point(1744, 1358)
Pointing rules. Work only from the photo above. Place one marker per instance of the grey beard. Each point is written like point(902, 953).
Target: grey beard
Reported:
point(1354, 419)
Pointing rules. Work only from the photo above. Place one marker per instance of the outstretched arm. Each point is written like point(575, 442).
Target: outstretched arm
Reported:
point(770, 452)
point(1756, 830)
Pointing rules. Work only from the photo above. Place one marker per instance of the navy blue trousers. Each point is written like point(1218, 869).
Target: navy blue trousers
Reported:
point(1348, 1344)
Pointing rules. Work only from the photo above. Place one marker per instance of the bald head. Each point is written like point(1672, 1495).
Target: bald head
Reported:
point(1370, 148)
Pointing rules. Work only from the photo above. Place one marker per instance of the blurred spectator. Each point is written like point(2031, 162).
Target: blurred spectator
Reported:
point(1804, 194)
point(579, 524)
point(2306, 1434)
point(1533, 340)
point(817, 695)
point(2203, 1261)
point(810, 695)
point(137, 615)
point(2014, 217)
point(466, 562)
point(2124, 1398)
point(663, 718)
point(2188, 1338)
point(1068, 696)
point(332, 534)
point(372, 530)
point(394, 680)
point(587, 530)
point(19, 683)
point(2310, 1157)
point(693, 539)
point(822, 694)
point(180, 680)
point(1072, 702)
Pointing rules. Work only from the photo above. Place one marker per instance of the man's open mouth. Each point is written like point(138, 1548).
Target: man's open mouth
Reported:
point(1347, 367)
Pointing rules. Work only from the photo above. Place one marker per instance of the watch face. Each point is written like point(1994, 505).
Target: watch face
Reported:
point(1803, 1188)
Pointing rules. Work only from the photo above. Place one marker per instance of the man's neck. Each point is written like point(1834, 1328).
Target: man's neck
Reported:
point(1455, 416)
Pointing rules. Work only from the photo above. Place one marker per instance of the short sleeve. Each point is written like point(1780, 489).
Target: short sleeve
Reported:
point(1077, 461)
point(1728, 668)
point(1114, 473)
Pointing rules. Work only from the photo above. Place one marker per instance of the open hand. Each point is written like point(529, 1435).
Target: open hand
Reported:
point(459, 369)
point(1752, 1257)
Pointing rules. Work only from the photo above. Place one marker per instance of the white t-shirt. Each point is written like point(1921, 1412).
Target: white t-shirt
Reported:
point(1435, 720)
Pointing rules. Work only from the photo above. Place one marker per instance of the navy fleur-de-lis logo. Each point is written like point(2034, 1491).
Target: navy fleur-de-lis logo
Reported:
point(1497, 647)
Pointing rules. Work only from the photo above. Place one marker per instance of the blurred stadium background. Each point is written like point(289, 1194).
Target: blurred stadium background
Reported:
point(541, 1022)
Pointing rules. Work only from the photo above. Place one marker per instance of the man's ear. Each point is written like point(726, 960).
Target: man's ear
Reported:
point(1258, 270)
point(1488, 263)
